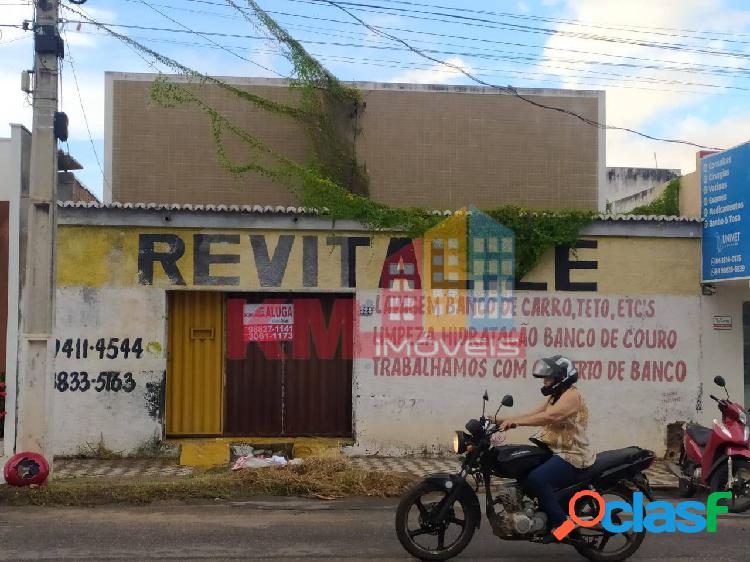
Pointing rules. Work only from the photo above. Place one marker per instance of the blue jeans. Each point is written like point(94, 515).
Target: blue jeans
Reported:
point(542, 482)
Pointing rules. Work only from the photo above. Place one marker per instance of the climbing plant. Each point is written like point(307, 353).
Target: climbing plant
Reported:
point(333, 182)
point(328, 111)
point(539, 230)
point(668, 203)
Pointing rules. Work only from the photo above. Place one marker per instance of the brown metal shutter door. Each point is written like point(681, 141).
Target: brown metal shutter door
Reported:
point(253, 385)
point(318, 392)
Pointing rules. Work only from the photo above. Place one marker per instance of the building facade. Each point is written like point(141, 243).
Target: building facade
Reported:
point(440, 147)
point(155, 346)
point(628, 188)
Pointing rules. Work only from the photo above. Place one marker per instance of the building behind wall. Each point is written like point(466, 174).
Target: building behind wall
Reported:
point(628, 188)
point(422, 145)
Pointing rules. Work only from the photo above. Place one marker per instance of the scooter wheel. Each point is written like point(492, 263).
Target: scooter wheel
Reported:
point(686, 489)
point(718, 483)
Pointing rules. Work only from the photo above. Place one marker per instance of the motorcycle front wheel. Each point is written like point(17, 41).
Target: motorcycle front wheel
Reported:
point(433, 541)
point(601, 545)
point(718, 483)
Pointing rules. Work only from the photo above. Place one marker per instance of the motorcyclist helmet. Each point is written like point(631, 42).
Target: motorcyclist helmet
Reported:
point(560, 369)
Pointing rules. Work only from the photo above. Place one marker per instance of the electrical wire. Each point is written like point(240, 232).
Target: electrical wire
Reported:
point(512, 91)
point(532, 17)
point(83, 111)
point(629, 28)
point(479, 71)
point(156, 56)
point(719, 68)
point(492, 24)
point(272, 71)
point(514, 56)
point(508, 90)
point(695, 66)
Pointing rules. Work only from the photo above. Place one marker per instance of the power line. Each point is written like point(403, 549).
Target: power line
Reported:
point(692, 68)
point(482, 22)
point(720, 71)
point(629, 28)
point(633, 28)
point(480, 71)
point(513, 44)
point(511, 90)
point(209, 39)
point(83, 110)
point(696, 67)
point(513, 57)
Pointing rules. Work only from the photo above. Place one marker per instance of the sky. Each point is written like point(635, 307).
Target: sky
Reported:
point(677, 69)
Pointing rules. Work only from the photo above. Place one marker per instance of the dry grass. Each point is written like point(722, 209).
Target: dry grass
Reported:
point(321, 478)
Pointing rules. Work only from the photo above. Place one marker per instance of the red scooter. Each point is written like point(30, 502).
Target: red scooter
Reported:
point(718, 458)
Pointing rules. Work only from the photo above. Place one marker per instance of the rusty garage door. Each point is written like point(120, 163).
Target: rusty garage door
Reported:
point(195, 363)
point(289, 366)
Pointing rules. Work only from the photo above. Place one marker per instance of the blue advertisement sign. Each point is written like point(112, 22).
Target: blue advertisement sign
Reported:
point(725, 193)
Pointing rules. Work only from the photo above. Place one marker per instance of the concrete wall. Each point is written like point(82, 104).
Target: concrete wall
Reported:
point(124, 421)
point(628, 188)
point(422, 145)
point(690, 191)
point(646, 283)
point(14, 170)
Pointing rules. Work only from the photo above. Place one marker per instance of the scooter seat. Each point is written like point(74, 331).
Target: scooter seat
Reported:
point(699, 434)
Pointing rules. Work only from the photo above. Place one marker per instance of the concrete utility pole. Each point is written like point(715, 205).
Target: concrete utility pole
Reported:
point(35, 377)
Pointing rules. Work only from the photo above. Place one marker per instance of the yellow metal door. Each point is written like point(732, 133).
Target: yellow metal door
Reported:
point(195, 364)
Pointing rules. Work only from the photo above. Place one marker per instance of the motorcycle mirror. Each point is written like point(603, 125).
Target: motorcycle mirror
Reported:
point(486, 396)
point(719, 381)
point(507, 401)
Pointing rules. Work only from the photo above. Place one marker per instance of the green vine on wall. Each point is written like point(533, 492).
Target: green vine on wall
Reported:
point(668, 203)
point(334, 183)
point(328, 110)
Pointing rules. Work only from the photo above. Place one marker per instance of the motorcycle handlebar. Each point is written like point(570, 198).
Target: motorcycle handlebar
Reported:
point(713, 397)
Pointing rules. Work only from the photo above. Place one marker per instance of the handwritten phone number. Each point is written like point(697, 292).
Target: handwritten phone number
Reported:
point(106, 381)
point(106, 348)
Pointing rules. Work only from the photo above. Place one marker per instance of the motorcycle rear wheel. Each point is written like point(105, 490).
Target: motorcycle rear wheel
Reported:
point(423, 497)
point(718, 483)
point(633, 540)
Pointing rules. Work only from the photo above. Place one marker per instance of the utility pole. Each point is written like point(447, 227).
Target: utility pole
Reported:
point(35, 378)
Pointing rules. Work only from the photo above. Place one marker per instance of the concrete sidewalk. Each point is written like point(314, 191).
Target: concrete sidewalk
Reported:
point(658, 475)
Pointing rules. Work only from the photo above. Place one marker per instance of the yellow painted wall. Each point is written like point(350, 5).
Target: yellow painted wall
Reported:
point(95, 256)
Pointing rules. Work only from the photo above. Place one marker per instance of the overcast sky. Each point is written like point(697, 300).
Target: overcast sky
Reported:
point(671, 68)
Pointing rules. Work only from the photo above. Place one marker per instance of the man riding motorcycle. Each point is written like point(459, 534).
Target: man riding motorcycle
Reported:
point(563, 417)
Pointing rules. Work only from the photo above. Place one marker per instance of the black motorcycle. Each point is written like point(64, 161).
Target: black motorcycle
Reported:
point(436, 518)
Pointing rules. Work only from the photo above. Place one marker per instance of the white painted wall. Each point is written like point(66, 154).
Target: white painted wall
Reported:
point(397, 414)
point(10, 190)
point(722, 349)
point(123, 421)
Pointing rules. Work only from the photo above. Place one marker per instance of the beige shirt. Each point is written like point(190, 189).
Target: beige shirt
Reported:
point(568, 438)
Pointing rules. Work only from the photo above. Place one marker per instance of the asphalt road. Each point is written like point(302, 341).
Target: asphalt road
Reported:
point(290, 529)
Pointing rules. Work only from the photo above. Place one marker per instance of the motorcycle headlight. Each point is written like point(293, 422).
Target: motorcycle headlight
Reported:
point(459, 443)
point(743, 418)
